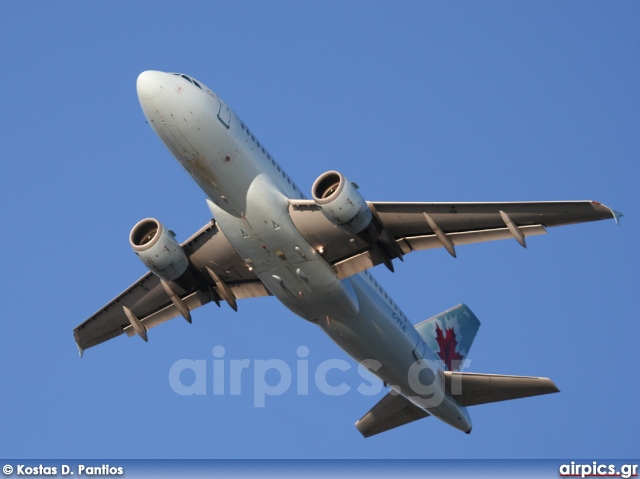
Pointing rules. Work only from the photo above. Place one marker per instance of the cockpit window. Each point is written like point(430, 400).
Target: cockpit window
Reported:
point(191, 80)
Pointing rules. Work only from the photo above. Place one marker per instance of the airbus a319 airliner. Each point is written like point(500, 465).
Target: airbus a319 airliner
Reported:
point(313, 255)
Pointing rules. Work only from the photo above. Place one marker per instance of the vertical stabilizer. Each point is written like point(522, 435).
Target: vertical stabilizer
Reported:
point(450, 334)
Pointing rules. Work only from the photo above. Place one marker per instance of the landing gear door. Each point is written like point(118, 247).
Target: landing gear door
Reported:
point(224, 115)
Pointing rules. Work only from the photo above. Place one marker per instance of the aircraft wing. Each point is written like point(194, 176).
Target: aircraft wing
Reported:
point(151, 305)
point(418, 226)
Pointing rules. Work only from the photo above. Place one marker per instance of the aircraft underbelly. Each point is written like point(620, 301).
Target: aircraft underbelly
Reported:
point(371, 336)
point(199, 140)
point(293, 271)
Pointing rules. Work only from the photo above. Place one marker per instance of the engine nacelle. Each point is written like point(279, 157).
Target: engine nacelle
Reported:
point(158, 250)
point(341, 203)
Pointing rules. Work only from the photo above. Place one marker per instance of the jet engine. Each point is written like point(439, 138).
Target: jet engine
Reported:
point(341, 203)
point(158, 250)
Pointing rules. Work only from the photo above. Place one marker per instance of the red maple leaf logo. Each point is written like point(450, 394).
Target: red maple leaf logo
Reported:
point(447, 343)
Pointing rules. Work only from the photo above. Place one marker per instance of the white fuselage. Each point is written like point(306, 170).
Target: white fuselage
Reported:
point(249, 198)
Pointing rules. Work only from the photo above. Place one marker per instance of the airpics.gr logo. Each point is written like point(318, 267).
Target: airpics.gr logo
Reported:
point(625, 471)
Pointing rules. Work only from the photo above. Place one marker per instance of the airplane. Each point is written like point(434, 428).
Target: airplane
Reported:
point(314, 255)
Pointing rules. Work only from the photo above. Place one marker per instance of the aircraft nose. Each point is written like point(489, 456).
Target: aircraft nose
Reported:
point(149, 84)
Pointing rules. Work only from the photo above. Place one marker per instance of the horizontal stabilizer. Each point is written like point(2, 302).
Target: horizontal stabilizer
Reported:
point(470, 389)
point(392, 411)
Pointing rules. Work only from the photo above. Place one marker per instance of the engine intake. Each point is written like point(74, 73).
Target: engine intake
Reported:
point(341, 203)
point(158, 250)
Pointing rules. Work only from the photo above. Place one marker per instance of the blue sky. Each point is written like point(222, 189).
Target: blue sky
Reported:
point(414, 101)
